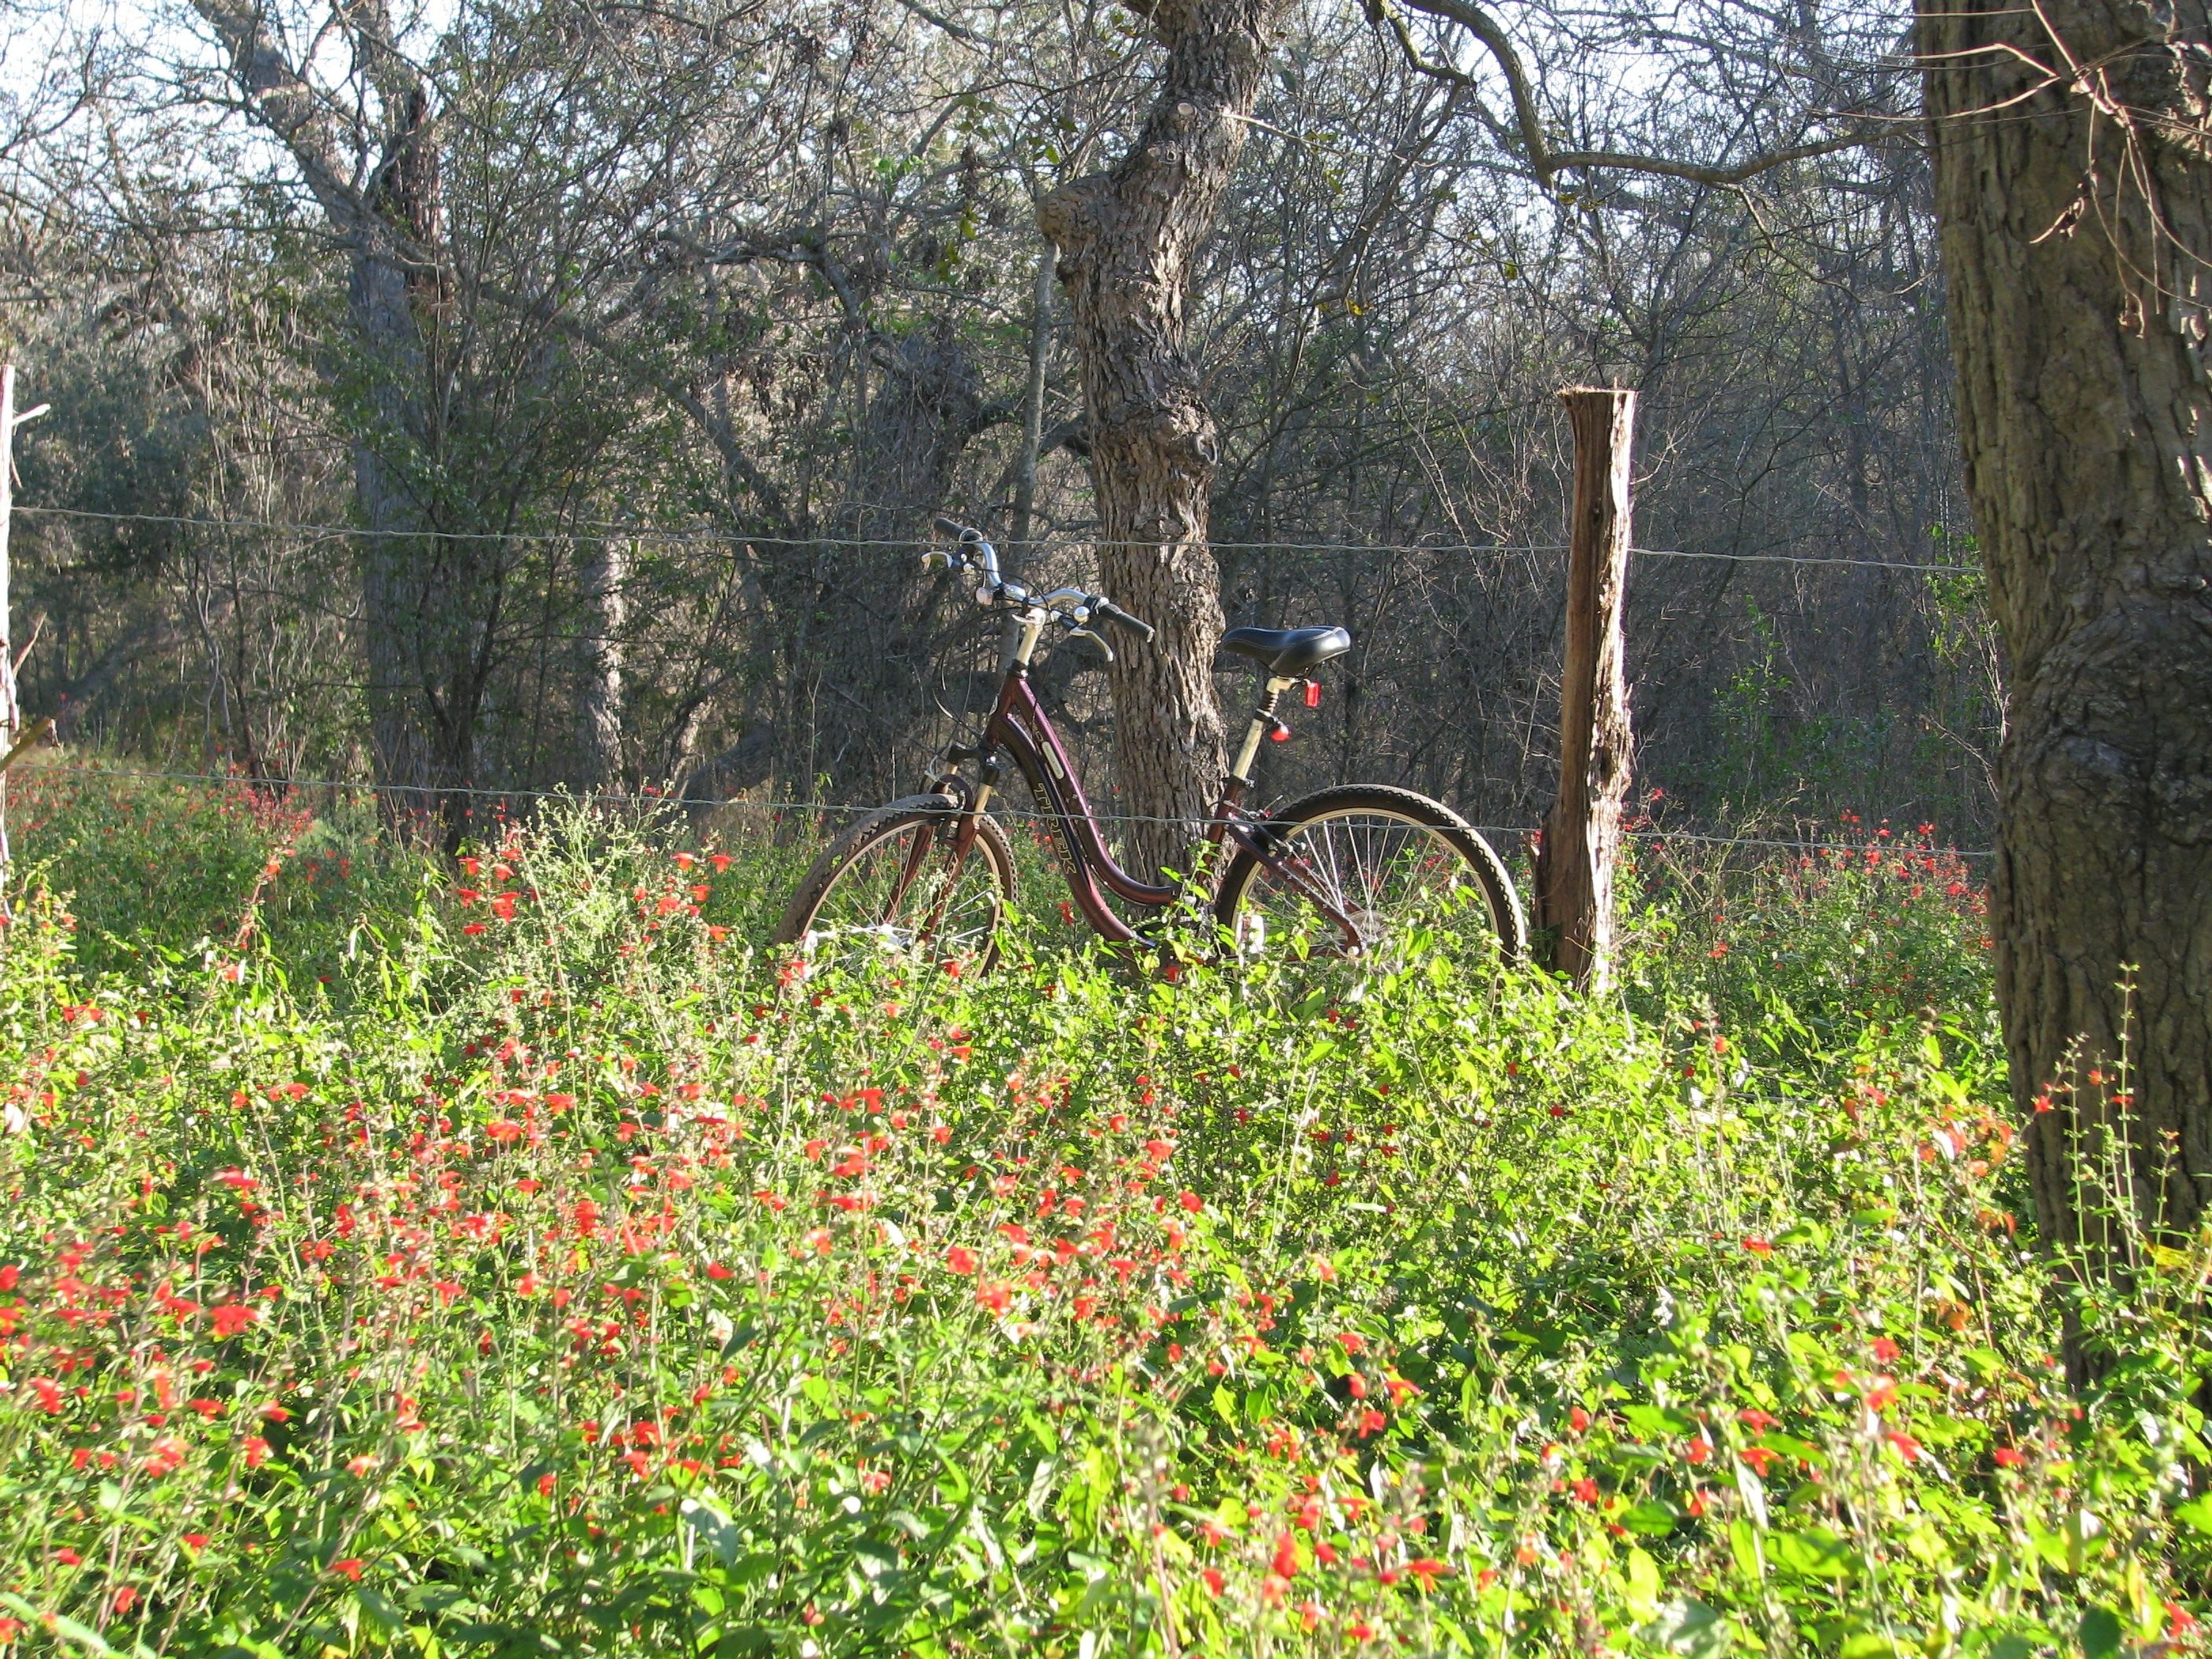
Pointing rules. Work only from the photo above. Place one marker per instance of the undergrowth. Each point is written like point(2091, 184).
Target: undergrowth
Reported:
point(523, 1260)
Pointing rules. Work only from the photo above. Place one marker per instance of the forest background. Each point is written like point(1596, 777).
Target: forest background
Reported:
point(729, 299)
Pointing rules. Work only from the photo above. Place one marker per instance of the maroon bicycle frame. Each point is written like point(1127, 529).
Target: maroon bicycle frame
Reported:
point(1020, 727)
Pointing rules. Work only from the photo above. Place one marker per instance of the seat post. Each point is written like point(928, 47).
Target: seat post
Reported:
point(1263, 721)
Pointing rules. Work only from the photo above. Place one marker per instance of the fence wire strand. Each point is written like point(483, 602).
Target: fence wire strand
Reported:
point(1512, 834)
point(908, 545)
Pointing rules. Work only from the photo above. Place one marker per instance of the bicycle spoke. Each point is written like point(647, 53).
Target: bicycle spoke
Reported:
point(1378, 872)
point(900, 893)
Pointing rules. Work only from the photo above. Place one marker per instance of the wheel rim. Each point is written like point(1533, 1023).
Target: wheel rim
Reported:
point(895, 898)
point(1389, 873)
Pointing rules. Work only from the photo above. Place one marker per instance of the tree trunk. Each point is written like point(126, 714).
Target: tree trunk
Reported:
point(600, 694)
point(863, 634)
point(422, 719)
point(1127, 241)
point(1025, 472)
point(1581, 847)
point(423, 695)
point(2078, 318)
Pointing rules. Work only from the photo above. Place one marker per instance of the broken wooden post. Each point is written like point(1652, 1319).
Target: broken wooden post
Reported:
point(10, 715)
point(1582, 834)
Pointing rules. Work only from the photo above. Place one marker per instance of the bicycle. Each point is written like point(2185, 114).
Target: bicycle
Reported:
point(1334, 873)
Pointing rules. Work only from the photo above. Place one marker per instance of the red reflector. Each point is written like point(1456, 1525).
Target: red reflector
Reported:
point(1280, 734)
point(1313, 693)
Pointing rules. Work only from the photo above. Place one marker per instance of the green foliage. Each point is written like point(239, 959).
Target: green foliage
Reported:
point(572, 1275)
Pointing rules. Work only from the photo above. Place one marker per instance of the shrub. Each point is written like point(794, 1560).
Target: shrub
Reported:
point(577, 1276)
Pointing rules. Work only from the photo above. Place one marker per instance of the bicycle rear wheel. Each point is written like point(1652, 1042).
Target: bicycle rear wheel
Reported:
point(888, 887)
point(1386, 860)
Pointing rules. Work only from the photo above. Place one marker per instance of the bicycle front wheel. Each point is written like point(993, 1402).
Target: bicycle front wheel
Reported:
point(1364, 865)
point(890, 886)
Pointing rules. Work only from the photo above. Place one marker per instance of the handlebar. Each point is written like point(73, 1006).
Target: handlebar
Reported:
point(1070, 605)
point(986, 555)
point(1107, 611)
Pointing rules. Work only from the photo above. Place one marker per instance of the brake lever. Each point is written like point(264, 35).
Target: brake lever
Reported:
point(1095, 639)
point(937, 558)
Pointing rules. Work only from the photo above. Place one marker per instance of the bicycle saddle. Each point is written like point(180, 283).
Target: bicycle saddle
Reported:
point(1285, 652)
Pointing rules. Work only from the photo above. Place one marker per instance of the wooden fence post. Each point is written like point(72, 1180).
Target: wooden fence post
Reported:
point(11, 716)
point(1581, 833)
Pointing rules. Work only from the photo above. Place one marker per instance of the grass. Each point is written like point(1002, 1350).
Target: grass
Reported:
point(522, 1260)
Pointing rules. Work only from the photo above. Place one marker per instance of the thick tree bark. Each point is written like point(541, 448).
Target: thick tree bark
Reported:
point(1126, 240)
point(425, 635)
point(863, 637)
point(2077, 214)
point(1025, 468)
point(599, 690)
point(1576, 861)
point(427, 606)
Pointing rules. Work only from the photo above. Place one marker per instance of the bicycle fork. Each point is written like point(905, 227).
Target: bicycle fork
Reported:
point(971, 804)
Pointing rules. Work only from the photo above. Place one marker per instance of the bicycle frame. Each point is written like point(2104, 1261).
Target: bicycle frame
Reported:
point(1020, 728)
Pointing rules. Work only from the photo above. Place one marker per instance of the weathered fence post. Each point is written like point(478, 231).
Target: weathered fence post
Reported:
point(11, 716)
point(1582, 834)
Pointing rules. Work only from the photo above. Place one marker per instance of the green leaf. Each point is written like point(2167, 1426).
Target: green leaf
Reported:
point(382, 1611)
point(1652, 1517)
point(1657, 1420)
point(1643, 1584)
point(2196, 1512)
point(2101, 1633)
point(1688, 1627)
point(1743, 1544)
point(716, 1530)
point(1815, 1553)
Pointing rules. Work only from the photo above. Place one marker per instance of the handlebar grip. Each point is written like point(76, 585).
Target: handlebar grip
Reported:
point(1107, 611)
point(955, 528)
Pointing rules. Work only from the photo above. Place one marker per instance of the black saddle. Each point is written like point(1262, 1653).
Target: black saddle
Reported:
point(1285, 652)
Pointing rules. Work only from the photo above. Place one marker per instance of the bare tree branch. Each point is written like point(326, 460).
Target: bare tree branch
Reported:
point(1546, 162)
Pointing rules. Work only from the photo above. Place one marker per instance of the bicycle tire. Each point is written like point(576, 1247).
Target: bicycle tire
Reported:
point(810, 921)
point(1428, 823)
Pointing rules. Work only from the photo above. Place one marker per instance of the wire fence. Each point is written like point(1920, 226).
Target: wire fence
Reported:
point(834, 566)
point(905, 545)
point(651, 799)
